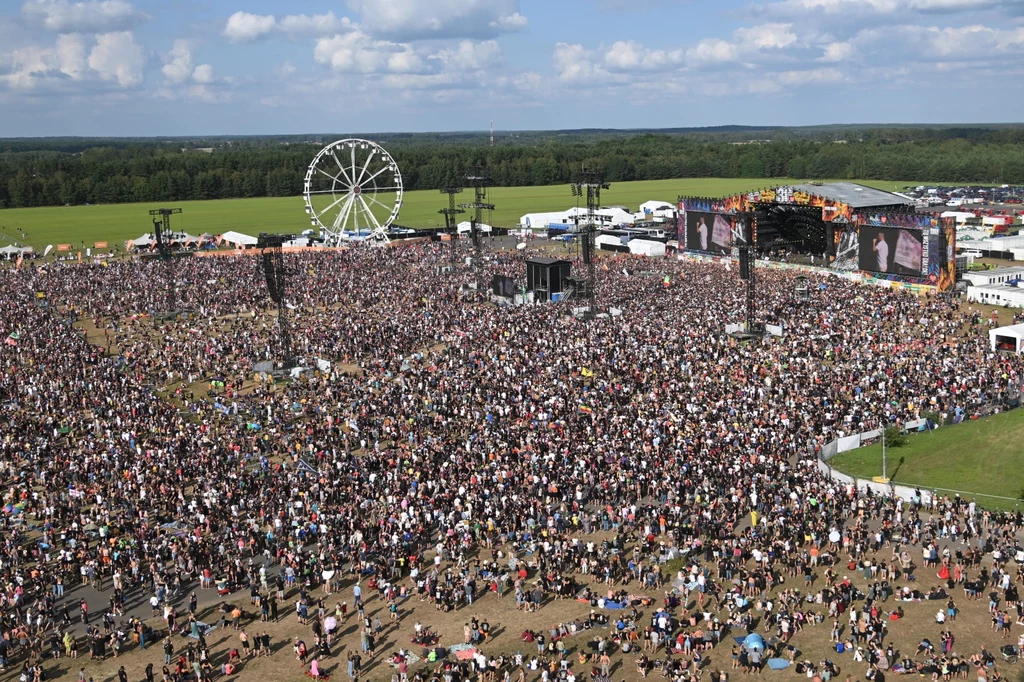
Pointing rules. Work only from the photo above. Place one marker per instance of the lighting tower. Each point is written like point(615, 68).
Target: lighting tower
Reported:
point(162, 230)
point(276, 276)
point(449, 215)
point(589, 184)
point(477, 178)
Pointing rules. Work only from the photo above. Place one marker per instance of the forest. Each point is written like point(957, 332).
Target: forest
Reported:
point(75, 171)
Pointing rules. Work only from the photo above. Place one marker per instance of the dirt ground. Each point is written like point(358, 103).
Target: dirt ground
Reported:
point(971, 630)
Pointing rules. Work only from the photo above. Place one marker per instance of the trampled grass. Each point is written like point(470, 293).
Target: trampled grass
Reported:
point(981, 457)
point(115, 223)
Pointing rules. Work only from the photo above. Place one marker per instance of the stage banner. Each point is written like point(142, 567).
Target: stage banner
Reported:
point(63, 247)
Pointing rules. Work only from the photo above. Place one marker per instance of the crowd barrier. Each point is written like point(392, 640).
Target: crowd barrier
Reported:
point(907, 492)
point(919, 289)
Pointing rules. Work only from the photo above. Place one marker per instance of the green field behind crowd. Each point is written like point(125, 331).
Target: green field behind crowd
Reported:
point(980, 458)
point(116, 223)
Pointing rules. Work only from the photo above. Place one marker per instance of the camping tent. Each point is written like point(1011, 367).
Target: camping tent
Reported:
point(239, 239)
point(753, 642)
point(1010, 339)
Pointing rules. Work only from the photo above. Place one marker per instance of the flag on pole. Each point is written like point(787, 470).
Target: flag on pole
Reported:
point(47, 250)
point(12, 339)
point(17, 264)
point(129, 245)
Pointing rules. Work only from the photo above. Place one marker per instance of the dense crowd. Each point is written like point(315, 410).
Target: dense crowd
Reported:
point(452, 450)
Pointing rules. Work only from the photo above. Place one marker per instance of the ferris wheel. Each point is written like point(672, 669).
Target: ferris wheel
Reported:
point(353, 191)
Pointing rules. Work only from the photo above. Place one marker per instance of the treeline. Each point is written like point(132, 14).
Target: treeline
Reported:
point(71, 171)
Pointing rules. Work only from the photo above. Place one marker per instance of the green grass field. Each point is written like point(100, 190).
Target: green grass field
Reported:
point(115, 223)
point(980, 457)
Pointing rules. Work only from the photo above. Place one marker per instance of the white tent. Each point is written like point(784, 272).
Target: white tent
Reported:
point(144, 240)
point(465, 226)
point(1010, 339)
point(610, 239)
point(10, 251)
point(239, 239)
point(961, 216)
point(645, 247)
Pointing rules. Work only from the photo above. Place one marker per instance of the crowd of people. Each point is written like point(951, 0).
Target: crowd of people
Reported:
point(447, 450)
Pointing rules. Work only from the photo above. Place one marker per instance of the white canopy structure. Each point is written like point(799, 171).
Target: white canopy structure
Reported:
point(960, 216)
point(646, 247)
point(10, 251)
point(1007, 339)
point(465, 226)
point(144, 240)
point(239, 239)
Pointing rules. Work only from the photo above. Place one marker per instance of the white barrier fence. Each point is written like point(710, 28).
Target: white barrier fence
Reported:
point(908, 493)
point(857, 440)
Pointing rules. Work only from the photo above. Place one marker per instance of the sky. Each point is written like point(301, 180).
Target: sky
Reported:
point(249, 67)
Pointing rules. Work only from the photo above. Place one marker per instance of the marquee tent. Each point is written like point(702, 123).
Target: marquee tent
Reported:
point(1010, 339)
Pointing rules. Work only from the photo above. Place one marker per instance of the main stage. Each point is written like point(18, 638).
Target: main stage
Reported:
point(843, 227)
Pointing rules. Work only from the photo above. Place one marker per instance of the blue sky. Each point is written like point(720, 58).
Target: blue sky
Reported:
point(192, 67)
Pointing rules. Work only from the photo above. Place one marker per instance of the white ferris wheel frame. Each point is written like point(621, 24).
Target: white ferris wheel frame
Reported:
point(351, 192)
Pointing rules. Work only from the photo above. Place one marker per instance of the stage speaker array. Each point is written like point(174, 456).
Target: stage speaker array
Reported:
point(744, 263)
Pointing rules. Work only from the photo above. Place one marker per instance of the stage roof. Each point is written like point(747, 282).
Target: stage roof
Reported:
point(854, 195)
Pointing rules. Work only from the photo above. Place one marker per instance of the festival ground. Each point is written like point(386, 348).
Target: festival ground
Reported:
point(401, 306)
point(972, 630)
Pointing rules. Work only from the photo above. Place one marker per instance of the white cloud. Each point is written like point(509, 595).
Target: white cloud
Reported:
point(113, 57)
point(711, 51)
point(889, 6)
point(928, 44)
point(356, 52)
point(575, 63)
point(411, 19)
point(62, 16)
point(529, 81)
point(510, 23)
point(810, 77)
point(837, 52)
point(71, 60)
point(27, 66)
point(318, 24)
point(204, 93)
point(244, 27)
point(116, 56)
point(630, 56)
point(767, 36)
point(178, 62)
point(470, 56)
point(203, 74)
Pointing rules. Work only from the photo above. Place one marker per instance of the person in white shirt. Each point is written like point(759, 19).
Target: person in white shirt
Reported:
point(881, 249)
point(702, 232)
